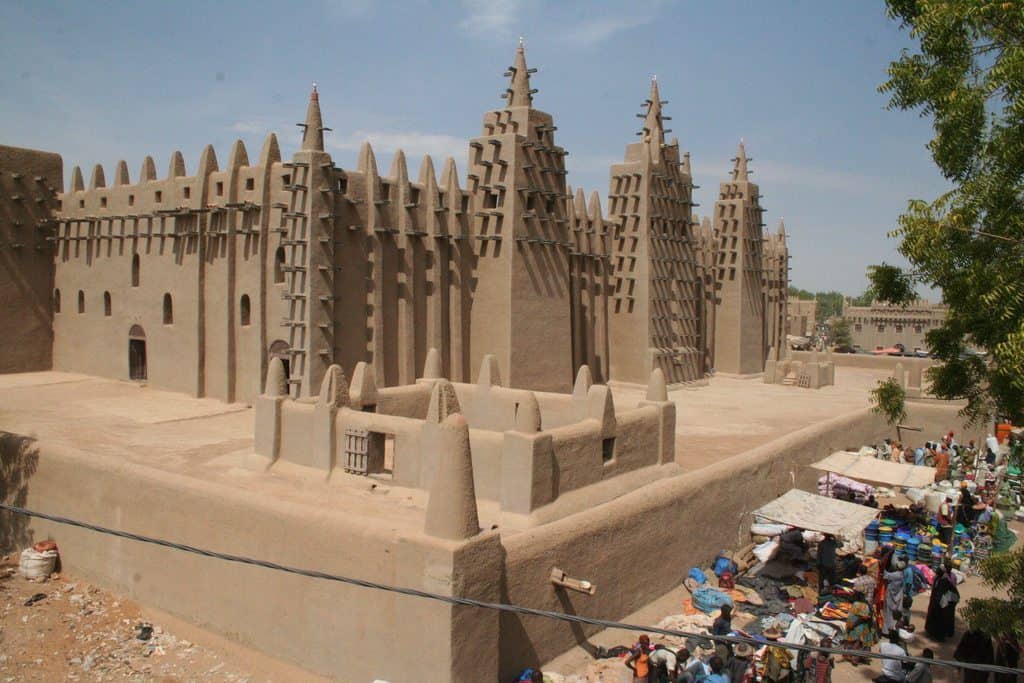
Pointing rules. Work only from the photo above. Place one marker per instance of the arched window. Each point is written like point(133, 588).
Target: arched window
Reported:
point(81, 301)
point(279, 265)
point(56, 301)
point(106, 304)
point(135, 270)
point(168, 310)
point(244, 311)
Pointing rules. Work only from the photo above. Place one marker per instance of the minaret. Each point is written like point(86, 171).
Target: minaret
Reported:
point(706, 248)
point(310, 247)
point(740, 334)
point(521, 302)
point(654, 314)
point(776, 287)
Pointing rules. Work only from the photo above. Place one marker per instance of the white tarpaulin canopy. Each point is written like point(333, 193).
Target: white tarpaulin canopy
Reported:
point(871, 469)
point(818, 513)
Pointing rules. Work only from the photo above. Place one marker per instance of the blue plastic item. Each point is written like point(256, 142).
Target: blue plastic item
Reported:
point(697, 575)
point(723, 564)
point(709, 599)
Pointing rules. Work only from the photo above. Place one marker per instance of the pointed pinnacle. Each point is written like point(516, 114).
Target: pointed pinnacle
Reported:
point(653, 130)
point(740, 172)
point(313, 135)
point(77, 184)
point(519, 87)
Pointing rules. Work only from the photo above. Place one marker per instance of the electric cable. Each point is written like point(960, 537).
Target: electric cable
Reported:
point(470, 602)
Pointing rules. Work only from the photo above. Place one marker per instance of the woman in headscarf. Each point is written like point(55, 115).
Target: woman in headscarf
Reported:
point(892, 609)
point(940, 621)
point(860, 628)
point(975, 647)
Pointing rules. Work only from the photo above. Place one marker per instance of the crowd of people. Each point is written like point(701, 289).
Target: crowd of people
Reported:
point(878, 621)
point(862, 596)
point(876, 593)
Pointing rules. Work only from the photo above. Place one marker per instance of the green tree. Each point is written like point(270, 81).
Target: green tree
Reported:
point(1004, 573)
point(890, 400)
point(967, 75)
point(830, 305)
point(802, 294)
point(865, 299)
point(841, 332)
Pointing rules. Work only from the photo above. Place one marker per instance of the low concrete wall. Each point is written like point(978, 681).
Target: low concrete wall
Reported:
point(860, 360)
point(638, 547)
point(330, 628)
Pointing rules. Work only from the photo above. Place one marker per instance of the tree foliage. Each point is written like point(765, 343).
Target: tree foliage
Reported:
point(1004, 573)
point(889, 399)
point(967, 76)
point(802, 294)
point(830, 304)
point(841, 332)
point(865, 298)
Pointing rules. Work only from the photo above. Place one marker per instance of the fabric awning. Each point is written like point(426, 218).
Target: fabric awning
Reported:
point(818, 513)
point(874, 470)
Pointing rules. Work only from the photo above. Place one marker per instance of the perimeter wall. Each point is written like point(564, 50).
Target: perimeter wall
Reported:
point(639, 547)
point(634, 549)
point(335, 629)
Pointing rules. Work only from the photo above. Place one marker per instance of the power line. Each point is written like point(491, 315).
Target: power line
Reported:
point(469, 602)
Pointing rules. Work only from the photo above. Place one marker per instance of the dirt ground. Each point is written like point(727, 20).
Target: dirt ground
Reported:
point(77, 632)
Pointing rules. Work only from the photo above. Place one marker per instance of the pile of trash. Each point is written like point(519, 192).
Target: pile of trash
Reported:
point(58, 628)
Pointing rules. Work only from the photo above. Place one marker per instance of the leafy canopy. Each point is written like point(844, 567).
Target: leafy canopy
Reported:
point(830, 304)
point(967, 75)
point(1004, 573)
point(890, 400)
point(841, 332)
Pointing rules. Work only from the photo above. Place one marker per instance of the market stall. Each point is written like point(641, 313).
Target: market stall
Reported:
point(808, 511)
point(871, 469)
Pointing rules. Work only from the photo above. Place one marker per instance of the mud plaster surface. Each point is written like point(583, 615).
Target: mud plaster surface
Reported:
point(210, 440)
point(730, 416)
point(207, 438)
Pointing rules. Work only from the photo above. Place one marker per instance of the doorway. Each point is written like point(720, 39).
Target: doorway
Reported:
point(137, 353)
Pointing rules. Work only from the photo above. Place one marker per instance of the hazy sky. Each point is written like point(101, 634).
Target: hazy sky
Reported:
point(102, 81)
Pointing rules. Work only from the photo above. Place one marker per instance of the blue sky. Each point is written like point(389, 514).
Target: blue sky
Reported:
point(102, 81)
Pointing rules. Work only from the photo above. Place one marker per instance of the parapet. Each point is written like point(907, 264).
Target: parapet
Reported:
point(814, 373)
point(524, 449)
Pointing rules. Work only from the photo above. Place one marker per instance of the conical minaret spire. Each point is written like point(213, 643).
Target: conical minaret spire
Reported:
point(519, 93)
point(740, 171)
point(782, 228)
point(313, 133)
point(654, 131)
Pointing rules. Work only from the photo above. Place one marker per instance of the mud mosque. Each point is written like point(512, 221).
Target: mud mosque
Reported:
point(197, 281)
point(453, 338)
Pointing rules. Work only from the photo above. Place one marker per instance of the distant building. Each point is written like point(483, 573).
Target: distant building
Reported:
point(884, 325)
point(801, 315)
